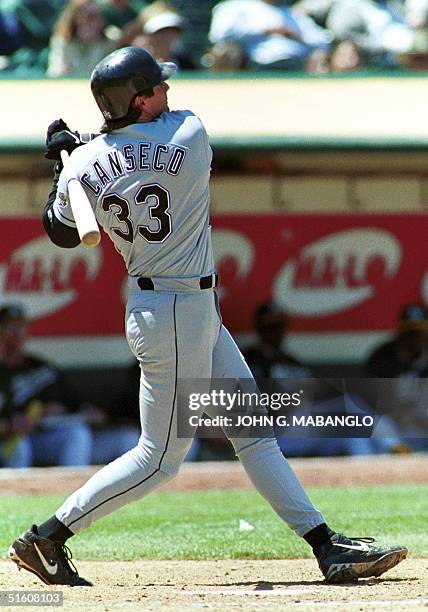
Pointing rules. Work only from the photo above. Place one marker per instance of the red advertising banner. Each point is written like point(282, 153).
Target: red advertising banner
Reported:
point(331, 273)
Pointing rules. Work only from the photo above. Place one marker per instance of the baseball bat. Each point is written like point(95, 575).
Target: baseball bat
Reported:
point(86, 223)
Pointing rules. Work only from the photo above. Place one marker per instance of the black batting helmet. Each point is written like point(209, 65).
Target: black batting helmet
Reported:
point(121, 75)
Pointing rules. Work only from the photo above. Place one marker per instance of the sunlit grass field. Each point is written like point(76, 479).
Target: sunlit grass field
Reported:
point(206, 525)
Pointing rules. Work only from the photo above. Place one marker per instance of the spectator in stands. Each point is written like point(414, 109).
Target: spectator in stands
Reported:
point(36, 424)
point(405, 357)
point(31, 22)
point(377, 28)
point(345, 54)
point(119, 13)
point(79, 39)
point(272, 35)
point(416, 16)
point(10, 34)
point(416, 13)
point(158, 28)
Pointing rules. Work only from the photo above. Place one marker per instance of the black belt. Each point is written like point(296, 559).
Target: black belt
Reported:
point(206, 282)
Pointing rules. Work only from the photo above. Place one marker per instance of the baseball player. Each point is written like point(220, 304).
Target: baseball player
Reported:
point(147, 177)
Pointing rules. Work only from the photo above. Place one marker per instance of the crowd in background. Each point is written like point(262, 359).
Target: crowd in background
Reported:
point(68, 37)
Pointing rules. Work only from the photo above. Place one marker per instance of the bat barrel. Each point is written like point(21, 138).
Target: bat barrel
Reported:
point(84, 217)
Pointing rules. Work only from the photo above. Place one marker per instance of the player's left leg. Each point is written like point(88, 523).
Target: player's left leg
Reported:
point(340, 558)
point(165, 332)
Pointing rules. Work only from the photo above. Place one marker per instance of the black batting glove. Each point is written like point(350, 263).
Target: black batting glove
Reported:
point(56, 126)
point(58, 137)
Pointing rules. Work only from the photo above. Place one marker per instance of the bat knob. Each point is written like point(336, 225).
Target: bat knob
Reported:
point(91, 239)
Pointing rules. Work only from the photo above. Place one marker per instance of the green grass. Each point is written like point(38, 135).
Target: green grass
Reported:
point(205, 525)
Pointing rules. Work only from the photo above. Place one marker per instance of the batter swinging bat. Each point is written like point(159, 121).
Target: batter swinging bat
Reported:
point(86, 223)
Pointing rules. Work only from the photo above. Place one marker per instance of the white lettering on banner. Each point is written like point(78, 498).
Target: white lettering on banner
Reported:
point(40, 276)
point(231, 244)
point(337, 272)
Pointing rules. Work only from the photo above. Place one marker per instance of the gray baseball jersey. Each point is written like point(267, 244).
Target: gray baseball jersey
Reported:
point(148, 185)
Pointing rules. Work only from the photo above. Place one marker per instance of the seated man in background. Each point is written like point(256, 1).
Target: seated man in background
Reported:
point(282, 372)
point(406, 354)
point(378, 28)
point(267, 358)
point(34, 20)
point(79, 39)
point(405, 357)
point(36, 426)
point(271, 34)
point(158, 29)
point(119, 13)
point(115, 422)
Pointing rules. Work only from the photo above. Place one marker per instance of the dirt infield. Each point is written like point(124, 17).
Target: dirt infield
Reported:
point(334, 471)
point(294, 585)
point(233, 585)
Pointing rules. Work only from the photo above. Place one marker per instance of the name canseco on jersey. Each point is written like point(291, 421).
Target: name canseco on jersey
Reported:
point(148, 184)
point(164, 158)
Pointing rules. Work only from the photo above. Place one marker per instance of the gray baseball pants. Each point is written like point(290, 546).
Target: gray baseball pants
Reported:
point(179, 335)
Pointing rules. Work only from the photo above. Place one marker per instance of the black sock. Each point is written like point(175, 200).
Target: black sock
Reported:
point(54, 530)
point(318, 535)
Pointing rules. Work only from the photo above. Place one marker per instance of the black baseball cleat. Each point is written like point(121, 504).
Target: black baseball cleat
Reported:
point(48, 560)
point(345, 559)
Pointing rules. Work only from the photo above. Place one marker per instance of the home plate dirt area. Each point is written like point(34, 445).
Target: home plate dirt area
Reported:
point(228, 585)
point(294, 585)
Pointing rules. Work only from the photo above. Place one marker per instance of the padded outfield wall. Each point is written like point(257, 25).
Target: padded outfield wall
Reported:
point(319, 194)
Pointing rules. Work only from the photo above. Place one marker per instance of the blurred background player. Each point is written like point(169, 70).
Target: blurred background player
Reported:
point(278, 371)
point(405, 357)
point(406, 353)
point(267, 357)
point(43, 421)
point(37, 426)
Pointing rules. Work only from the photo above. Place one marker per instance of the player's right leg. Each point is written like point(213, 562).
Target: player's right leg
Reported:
point(172, 335)
point(340, 559)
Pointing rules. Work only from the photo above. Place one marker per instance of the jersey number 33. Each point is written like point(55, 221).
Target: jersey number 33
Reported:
point(156, 198)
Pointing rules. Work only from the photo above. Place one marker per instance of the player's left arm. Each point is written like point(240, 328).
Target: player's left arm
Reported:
point(57, 216)
point(60, 233)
